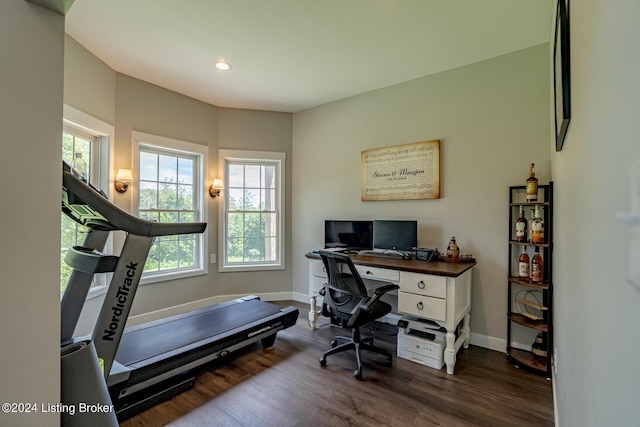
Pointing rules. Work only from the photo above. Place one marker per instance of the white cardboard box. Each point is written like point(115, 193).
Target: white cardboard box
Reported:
point(422, 350)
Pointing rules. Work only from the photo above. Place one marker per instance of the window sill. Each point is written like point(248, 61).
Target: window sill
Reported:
point(148, 279)
point(249, 267)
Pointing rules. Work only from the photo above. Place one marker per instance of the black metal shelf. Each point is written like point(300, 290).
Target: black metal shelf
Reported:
point(544, 324)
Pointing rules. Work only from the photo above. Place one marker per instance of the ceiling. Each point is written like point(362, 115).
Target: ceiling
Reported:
point(291, 55)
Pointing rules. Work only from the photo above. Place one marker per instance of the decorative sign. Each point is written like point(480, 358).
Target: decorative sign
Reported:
point(403, 172)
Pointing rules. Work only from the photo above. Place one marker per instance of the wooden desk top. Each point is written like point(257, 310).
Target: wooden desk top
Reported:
point(438, 268)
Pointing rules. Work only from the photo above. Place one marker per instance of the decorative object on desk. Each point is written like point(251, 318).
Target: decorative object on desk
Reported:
point(460, 259)
point(423, 254)
point(453, 251)
point(532, 185)
point(561, 73)
point(402, 172)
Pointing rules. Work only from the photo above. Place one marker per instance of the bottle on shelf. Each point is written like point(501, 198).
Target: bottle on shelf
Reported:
point(453, 251)
point(523, 264)
point(537, 227)
point(537, 272)
point(521, 227)
point(539, 347)
point(532, 185)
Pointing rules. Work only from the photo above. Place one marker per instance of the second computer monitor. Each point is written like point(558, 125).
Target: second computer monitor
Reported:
point(400, 235)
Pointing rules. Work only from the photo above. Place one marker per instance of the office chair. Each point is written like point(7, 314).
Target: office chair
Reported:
point(345, 297)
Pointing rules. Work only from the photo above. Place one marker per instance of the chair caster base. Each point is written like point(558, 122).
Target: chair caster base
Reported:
point(323, 361)
point(358, 374)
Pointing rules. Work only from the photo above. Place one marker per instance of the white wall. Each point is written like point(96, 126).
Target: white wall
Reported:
point(492, 119)
point(31, 76)
point(597, 311)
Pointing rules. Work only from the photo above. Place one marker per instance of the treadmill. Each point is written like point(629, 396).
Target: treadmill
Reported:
point(152, 362)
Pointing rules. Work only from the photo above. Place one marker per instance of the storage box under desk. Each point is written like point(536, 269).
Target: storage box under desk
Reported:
point(422, 350)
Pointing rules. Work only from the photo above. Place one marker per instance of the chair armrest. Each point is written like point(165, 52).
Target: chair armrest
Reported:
point(367, 304)
point(386, 288)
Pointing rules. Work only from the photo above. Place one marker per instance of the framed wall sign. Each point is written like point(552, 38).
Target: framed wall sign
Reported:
point(402, 172)
point(561, 73)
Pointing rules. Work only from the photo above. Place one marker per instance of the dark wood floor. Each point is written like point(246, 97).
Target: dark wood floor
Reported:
point(286, 386)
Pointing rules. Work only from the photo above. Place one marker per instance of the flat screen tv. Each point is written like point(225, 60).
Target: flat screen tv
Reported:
point(396, 235)
point(350, 235)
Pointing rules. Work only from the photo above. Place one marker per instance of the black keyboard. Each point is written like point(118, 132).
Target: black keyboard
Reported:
point(392, 255)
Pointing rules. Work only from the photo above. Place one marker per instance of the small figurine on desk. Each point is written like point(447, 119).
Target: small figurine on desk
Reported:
point(453, 254)
point(453, 251)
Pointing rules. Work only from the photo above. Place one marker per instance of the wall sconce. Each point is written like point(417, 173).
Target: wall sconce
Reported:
point(123, 178)
point(214, 190)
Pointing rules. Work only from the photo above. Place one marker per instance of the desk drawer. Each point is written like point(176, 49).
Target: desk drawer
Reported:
point(316, 267)
point(368, 272)
point(423, 284)
point(422, 306)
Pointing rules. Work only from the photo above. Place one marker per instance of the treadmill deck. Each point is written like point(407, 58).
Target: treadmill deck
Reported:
point(152, 340)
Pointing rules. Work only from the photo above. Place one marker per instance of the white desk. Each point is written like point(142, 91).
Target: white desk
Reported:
point(438, 291)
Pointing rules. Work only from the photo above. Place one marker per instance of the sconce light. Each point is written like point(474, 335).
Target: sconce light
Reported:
point(214, 190)
point(123, 178)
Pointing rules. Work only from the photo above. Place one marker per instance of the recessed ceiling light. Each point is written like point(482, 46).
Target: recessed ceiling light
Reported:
point(223, 65)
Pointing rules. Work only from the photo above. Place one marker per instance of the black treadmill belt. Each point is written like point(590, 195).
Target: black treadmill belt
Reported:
point(142, 344)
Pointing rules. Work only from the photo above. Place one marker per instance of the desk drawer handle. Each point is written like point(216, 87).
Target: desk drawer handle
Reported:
point(420, 306)
point(421, 284)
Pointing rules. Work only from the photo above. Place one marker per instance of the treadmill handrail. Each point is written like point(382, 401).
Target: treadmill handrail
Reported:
point(122, 220)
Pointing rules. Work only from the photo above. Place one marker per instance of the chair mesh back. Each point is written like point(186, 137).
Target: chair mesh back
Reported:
point(346, 290)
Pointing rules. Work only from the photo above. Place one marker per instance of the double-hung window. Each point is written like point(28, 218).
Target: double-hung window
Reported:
point(252, 226)
point(85, 147)
point(170, 189)
point(78, 150)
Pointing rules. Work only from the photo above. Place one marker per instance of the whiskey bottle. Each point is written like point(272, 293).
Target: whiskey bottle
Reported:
point(537, 272)
point(537, 227)
point(453, 251)
point(539, 347)
point(521, 227)
point(523, 264)
point(532, 185)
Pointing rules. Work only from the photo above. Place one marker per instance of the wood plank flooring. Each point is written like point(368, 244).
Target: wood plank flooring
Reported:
point(286, 386)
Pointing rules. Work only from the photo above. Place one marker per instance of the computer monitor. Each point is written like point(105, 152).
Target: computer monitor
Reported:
point(395, 235)
point(355, 235)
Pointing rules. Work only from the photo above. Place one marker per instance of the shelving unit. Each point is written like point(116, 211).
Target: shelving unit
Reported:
point(528, 317)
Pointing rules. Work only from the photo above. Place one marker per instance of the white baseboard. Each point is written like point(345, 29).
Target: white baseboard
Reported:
point(491, 343)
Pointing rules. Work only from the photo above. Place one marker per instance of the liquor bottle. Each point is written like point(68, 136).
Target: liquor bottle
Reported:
point(539, 347)
point(521, 227)
point(537, 227)
point(523, 264)
point(532, 185)
point(453, 251)
point(537, 272)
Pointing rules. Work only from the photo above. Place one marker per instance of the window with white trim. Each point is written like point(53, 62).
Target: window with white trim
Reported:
point(86, 146)
point(79, 149)
point(170, 176)
point(253, 220)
